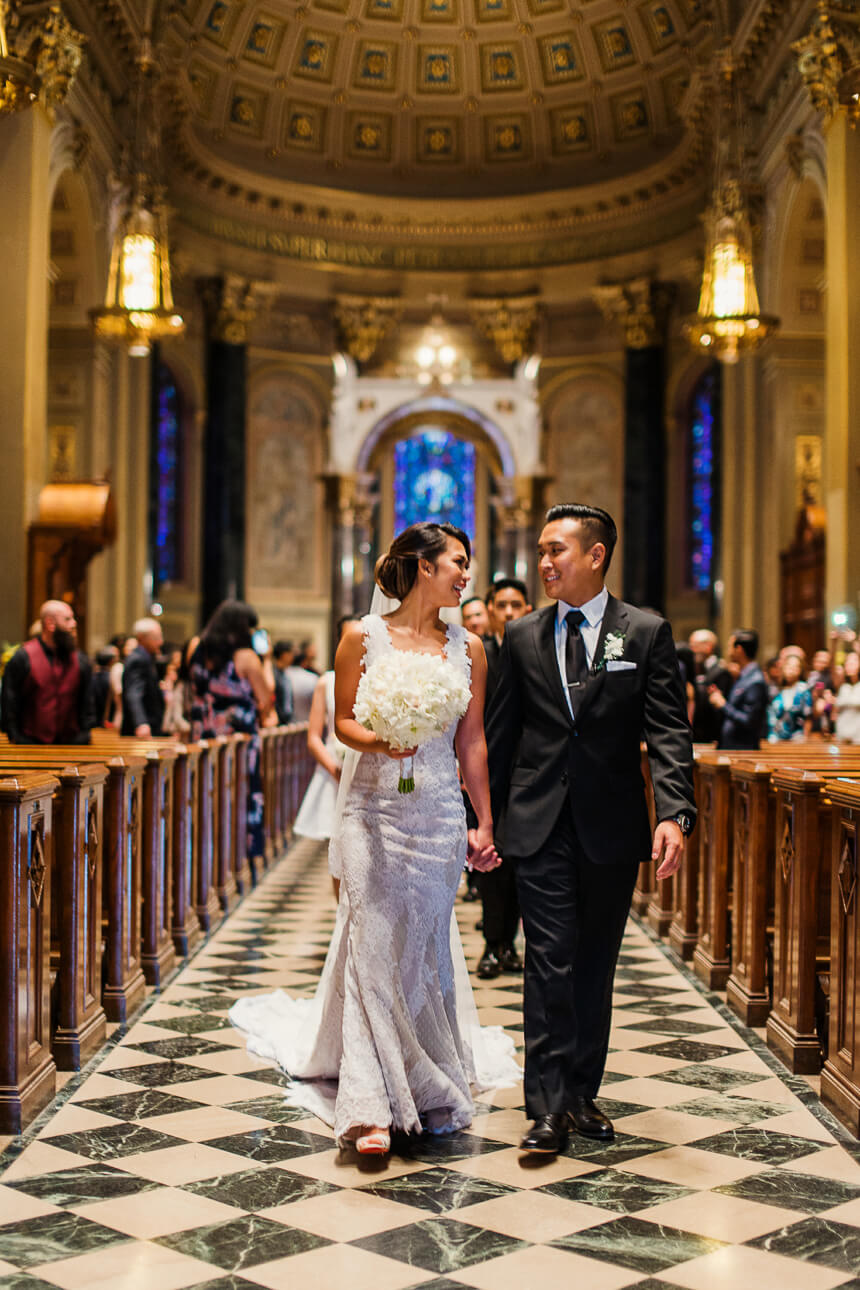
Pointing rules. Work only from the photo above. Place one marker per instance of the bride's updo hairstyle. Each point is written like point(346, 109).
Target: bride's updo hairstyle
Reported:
point(397, 570)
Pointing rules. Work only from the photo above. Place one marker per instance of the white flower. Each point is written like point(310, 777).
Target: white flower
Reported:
point(613, 647)
point(407, 698)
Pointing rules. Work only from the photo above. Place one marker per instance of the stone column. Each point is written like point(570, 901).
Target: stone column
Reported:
point(842, 441)
point(25, 216)
point(350, 506)
point(230, 310)
point(641, 309)
point(519, 515)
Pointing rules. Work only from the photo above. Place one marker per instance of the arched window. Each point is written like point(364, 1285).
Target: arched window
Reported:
point(165, 526)
point(434, 479)
point(702, 480)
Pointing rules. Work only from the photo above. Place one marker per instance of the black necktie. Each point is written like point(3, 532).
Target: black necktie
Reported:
point(575, 658)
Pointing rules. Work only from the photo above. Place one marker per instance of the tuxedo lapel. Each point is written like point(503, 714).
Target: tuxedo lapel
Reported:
point(544, 641)
point(614, 620)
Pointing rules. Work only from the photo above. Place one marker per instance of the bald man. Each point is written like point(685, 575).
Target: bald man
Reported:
point(142, 699)
point(47, 692)
point(710, 670)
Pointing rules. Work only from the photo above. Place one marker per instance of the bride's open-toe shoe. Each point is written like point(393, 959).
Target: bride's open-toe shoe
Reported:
point(377, 1143)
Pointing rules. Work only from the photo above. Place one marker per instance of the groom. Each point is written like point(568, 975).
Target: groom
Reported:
point(580, 684)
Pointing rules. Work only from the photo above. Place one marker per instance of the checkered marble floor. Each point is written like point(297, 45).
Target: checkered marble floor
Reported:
point(172, 1160)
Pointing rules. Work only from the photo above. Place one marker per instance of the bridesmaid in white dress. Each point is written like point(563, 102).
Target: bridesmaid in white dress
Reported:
point(317, 812)
point(392, 1022)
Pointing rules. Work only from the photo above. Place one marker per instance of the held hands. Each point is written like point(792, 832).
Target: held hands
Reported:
point(668, 842)
point(396, 754)
point(481, 854)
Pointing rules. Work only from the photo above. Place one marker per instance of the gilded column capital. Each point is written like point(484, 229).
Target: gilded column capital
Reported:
point(509, 322)
point(231, 304)
point(38, 58)
point(828, 59)
point(364, 322)
point(639, 307)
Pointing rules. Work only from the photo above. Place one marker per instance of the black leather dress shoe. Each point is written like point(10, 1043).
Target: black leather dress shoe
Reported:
point(489, 966)
point(547, 1136)
point(589, 1120)
point(509, 960)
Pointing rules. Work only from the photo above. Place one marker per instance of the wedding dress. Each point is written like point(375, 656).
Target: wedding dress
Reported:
point(392, 1034)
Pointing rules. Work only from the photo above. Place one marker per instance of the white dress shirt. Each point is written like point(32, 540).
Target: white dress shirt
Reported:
point(593, 610)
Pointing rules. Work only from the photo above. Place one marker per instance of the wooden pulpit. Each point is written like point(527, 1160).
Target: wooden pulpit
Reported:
point(75, 522)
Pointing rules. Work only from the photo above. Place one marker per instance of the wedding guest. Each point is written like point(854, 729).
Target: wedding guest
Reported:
point(773, 676)
point(102, 696)
point(316, 813)
point(848, 700)
point(176, 700)
point(142, 700)
point(473, 613)
point(125, 646)
point(744, 711)
point(307, 656)
point(283, 654)
point(709, 670)
point(789, 715)
point(507, 601)
point(302, 686)
point(233, 692)
point(46, 696)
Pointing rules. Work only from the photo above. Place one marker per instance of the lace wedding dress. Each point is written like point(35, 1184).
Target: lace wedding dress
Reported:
point(392, 1034)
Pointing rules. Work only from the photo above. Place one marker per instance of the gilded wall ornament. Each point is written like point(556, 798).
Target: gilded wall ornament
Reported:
point(828, 59)
point(364, 321)
point(39, 60)
point(508, 323)
point(639, 307)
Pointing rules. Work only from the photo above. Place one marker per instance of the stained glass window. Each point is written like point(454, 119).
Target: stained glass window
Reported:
point(434, 479)
point(165, 485)
point(702, 501)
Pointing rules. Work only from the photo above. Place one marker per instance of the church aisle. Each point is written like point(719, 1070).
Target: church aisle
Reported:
point(173, 1162)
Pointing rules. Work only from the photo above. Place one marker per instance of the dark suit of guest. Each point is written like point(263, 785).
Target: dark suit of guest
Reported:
point(498, 887)
point(707, 720)
point(745, 711)
point(142, 699)
point(570, 809)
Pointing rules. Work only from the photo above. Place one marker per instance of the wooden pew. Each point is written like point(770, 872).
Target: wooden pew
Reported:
point(124, 984)
point(28, 1074)
point(840, 1077)
point(747, 989)
point(801, 913)
point(206, 902)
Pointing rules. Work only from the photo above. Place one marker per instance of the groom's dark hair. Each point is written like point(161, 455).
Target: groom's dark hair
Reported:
point(595, 524)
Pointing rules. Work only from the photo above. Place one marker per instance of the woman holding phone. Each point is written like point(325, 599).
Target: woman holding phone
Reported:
point(233, 692)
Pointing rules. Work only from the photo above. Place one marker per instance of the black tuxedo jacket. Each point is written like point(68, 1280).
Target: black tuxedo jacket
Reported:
point(142, 700)
point(539, 755)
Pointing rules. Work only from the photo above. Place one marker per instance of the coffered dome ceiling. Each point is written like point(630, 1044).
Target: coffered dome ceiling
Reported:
point(475, 96)
point(406, 114)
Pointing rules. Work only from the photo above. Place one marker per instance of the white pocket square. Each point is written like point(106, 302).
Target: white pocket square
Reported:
point(620, 665)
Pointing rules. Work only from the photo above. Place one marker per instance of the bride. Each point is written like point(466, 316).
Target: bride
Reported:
point(391, 1039)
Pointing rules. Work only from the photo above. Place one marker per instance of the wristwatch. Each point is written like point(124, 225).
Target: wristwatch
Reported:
point(684, 822)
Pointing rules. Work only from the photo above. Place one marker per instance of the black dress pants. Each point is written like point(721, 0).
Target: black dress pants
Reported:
point(500, 907)
point(574, 913)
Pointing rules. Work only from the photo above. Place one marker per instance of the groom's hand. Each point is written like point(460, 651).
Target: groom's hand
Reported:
point(669, 843)
point(480, 852)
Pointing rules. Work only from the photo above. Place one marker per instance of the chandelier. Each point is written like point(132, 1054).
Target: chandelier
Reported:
point(138, 308)
point(436, 360)
point(728, 322)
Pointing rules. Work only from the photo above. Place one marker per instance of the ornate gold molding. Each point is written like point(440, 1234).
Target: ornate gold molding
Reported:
point(639, 307)
point(40, 61)
point(231, 304)
point(828, 59)
point(508, 322)
point(364, 321)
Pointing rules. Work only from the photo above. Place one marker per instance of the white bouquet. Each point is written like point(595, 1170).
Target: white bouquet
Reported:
point(407, 698)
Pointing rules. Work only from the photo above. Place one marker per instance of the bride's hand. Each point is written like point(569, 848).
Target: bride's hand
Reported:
point(396, 754)
point(481, 854)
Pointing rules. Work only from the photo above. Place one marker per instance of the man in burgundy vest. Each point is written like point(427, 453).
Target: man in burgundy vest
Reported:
point(46, 696)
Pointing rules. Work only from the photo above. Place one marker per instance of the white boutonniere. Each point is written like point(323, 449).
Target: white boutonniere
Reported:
point(613, 649)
